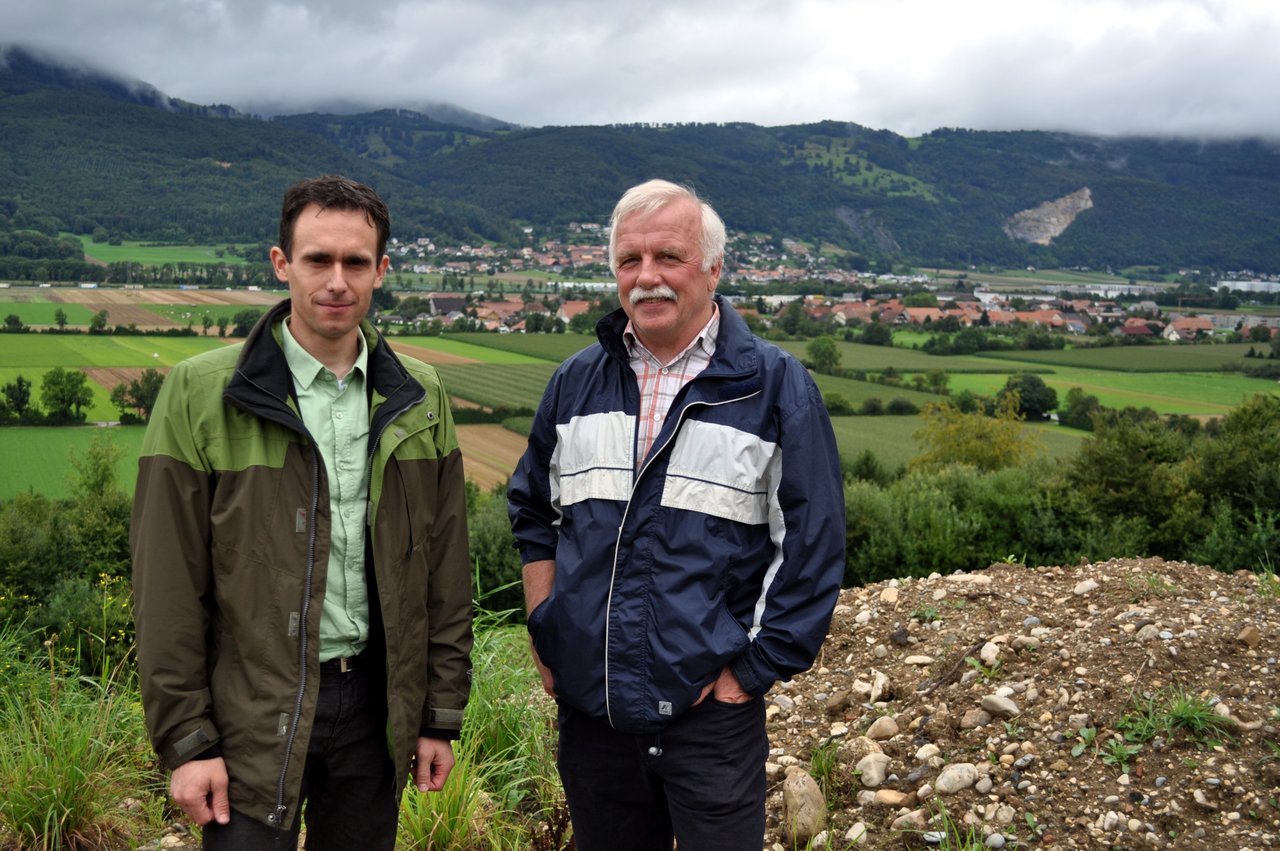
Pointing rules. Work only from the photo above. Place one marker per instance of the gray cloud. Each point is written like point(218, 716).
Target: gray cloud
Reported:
point(1188, 67)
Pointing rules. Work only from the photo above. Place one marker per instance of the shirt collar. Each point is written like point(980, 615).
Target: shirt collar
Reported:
point(304, 367)
point(706, 339)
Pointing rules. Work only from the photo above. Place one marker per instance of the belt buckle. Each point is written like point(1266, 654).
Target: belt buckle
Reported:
point(344, 664)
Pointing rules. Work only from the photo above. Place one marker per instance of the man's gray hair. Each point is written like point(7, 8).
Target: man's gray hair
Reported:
point(653, 195)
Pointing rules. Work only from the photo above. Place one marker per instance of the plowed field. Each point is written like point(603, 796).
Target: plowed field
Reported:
point(489, 453)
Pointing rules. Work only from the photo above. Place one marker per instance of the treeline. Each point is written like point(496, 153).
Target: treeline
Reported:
point(1140, 485)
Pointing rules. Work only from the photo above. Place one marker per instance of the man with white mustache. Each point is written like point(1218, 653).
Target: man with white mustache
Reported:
point(679, 512)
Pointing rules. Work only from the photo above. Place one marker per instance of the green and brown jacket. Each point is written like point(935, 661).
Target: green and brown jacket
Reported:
point(230, 539)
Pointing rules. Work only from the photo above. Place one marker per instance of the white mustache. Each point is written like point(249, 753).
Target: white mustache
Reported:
point(660, 291)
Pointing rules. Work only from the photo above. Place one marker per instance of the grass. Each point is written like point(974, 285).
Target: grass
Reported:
point(497, 385)
point(19, 351)
point(74, 751)
point(38, 458)
point(504, 791)
point(40, 312)
point(151, 254)
point(552, 347)
point(460, 348)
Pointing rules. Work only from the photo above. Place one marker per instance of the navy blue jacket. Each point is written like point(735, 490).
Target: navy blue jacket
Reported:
point(726, 548)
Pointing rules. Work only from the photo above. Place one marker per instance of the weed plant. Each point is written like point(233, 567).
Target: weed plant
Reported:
point(504, 792)
point(74, 752)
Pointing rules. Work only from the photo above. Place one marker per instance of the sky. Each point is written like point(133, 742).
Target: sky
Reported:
point(1198, 68)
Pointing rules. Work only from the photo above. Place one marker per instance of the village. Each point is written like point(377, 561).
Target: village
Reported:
point(764, 275)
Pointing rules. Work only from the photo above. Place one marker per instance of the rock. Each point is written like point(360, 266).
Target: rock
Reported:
point(838, 702)
point(872, 768)
point(891, 797)
point(913, 821)
point(956, 776)
point(882, 728)
point(1000, 707)
point(857, 834)
point(989, 654)
point(927, 751)
point(1085, 587)
point(918, 660)
point(889, 595)
point(783, 702)
point(804, 809)
point(1250, 636)
point(975, 718)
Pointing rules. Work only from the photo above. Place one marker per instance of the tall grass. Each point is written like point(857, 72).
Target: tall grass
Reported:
point(74, 765)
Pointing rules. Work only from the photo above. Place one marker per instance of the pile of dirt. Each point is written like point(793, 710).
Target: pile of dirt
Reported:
point(1126, 704)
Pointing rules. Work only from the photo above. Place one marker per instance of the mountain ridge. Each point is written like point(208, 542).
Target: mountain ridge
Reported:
point(83, 153)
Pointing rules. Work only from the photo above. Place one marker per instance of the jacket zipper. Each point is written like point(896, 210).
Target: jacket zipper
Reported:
point(617, 544)
point(277, 818)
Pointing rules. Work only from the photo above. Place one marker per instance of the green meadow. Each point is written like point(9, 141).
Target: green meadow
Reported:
point(151, 254)
point(39, 459)
point(38, 311)
point(511, 371)
point(892, 439)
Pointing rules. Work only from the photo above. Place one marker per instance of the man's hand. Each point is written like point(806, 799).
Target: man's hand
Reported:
point(200, 788)
point(548, 681)
point(725, 689)
point(432, 764)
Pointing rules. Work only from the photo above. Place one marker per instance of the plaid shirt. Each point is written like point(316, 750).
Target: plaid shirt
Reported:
point(659, 383)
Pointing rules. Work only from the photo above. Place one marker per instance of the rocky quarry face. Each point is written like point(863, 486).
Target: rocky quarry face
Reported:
point(1041, 225)
point(1132, 703)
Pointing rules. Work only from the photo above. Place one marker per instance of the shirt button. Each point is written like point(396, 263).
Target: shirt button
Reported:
point(338, 415)
point(665, 370)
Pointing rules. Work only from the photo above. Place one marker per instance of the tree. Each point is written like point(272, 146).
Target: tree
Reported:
point(1079, 410)
point(98, 324)
point(824, 355)
point(243, 322)
point(987, 443)
point(65, 392)
point(223, 322)
point(13, 323)
point(206, 321)
point(136, 399)
point(60, 318)
point(17, 394)
point(1035, 398)
point(877, 334)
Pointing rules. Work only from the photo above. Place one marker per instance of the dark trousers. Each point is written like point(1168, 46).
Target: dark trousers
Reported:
point(700, 781)
point(347, 784)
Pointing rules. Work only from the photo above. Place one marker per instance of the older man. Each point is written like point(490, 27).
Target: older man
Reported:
point(679, 512)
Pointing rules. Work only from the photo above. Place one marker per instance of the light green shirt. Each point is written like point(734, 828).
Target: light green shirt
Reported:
point(337, 415)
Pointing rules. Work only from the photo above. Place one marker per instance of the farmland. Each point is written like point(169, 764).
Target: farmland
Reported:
point(511, 371)
point(158, 255)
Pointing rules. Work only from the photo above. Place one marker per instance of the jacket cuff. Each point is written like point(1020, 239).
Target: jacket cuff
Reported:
point(194, 745)
point(426, 732)
point(753, 674)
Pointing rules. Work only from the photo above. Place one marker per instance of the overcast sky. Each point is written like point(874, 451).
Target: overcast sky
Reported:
point(1166, 67)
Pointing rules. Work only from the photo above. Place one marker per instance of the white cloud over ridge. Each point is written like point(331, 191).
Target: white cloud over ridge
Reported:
point(1204, 68)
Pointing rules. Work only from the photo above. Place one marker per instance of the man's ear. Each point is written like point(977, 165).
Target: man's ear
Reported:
point(280, 264)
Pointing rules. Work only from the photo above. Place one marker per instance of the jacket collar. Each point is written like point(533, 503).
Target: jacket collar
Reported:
point(736, 353)
point(262, 384)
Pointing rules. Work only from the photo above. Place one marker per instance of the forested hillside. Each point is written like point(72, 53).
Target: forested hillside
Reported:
point(79, 152)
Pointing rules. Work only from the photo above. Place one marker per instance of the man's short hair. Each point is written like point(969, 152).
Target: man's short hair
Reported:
point(653, 195)
point(340, 193)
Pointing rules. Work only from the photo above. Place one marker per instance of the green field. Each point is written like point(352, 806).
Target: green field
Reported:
point(81, 350)
point(39, 459)
point(552, 347)
point(1196, 393)
point(1156, 358)
point(880, 358)
point(151, 254)
point(497, 385)
point(892, 439)
point(459, 348)
point(39, 312)
point(184, 313)
point(856, 391)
